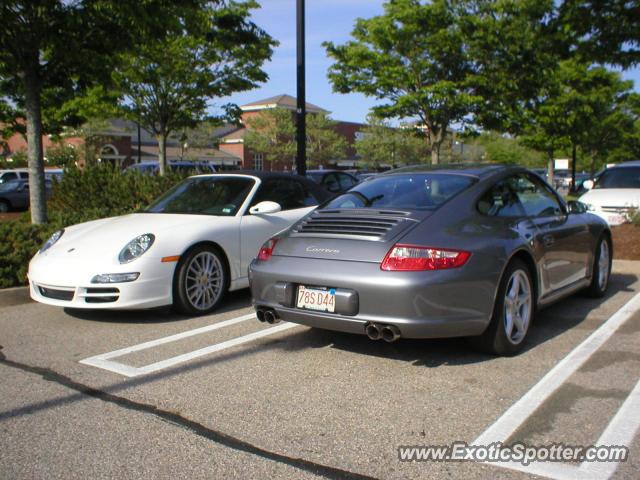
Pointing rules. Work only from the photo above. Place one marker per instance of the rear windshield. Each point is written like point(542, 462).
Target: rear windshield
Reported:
point(627, 177)
point(410, 191)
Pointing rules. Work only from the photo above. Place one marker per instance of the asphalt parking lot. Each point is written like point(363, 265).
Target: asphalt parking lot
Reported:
point(152, 394)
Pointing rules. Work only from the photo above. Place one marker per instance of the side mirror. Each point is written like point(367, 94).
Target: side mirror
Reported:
point(573, 206)
point(265, 208)
point(587, 184)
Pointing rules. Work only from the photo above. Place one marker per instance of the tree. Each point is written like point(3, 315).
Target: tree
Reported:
point(507, 150)
point(614, 134)
point(513, 45)
point(414, 57)
point(581, 108)
point(602, 31)
point(382, 144)
point(52, 50)
point(272, 133)
point(166, 85)
point(470, 62)
point(324, 143)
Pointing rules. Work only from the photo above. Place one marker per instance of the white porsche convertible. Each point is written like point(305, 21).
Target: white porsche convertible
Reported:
point(187, 249)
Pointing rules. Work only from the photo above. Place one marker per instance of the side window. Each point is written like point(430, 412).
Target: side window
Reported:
point(24, 175)
point(330, 182)
point(536, 198)
point(308, 199)
point(290, 194)
point(345, 181)
point(9, 176)
point(501, 200)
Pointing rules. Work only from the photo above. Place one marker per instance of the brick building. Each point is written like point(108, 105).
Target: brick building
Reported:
point(117, 142)
point(233, 141)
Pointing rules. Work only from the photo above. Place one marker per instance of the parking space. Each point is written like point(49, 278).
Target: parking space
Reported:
point(153, 393)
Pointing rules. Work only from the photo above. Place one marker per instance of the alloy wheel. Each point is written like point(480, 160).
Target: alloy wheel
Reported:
point(603, 265)
point(517, 307)
point(204, 280)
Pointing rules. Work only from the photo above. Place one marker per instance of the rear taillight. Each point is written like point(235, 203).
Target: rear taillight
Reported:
point(266, 250)
point(412, 258)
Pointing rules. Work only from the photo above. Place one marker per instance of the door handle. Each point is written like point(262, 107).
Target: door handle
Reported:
point(548, 240)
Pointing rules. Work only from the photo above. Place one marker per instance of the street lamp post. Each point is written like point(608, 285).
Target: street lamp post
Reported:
point(301, 110)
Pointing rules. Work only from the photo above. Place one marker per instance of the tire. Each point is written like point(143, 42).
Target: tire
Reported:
point(4, 206)
point(601, 268)
point(507, 332)
point(201, 281)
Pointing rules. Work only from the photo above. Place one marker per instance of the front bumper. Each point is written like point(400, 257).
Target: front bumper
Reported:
point(613, 218)
point(446, 303)
point(58, 282)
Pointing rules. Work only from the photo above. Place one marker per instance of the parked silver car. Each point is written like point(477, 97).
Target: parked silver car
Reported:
point(424, 253)
point(14, 194)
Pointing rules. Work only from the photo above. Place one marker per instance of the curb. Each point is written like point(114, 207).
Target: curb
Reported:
point(14, 296)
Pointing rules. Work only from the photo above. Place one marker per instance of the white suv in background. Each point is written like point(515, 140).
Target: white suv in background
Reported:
point(615, 195)
point(8, 175)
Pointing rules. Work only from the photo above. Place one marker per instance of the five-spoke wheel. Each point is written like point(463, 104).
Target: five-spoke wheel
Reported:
point(201, 281)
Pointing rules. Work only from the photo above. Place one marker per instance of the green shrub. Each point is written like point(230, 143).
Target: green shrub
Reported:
point(103, 191)
point(19, 241)
point(17, 160)
point(62, 155)
point(82, 195)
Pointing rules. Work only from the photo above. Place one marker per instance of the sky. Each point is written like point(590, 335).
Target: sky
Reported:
point(326, 20)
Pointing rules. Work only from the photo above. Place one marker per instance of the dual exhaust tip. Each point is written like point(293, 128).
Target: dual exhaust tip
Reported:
point(377, 331)
point(267, 315)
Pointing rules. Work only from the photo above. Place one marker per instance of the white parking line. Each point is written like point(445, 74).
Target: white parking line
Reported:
point(104, 360)
point(621, 429)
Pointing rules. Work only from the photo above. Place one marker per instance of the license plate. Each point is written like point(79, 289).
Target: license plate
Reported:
point(320, 299)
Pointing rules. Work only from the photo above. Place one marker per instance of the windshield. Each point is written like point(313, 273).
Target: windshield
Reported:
point(221, 196)
point(316, 177)
point(627, 177)
point(413, 191)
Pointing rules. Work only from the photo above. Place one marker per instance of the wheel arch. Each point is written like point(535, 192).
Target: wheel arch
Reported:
point(526, 257)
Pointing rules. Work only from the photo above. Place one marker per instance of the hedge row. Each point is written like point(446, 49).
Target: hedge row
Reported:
point(82, 195)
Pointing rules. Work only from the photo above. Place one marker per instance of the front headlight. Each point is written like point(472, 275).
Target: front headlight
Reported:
point(136, 247)
point(52, 240)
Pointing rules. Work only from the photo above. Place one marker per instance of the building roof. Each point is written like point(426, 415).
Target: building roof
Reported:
point(176, 153)
point(282, 101)
point(237, 134)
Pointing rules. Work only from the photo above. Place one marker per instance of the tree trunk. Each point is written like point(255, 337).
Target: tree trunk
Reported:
point(37, 196)
point(435, 155)
point(550, 165)
point(436, 137)
point(162, 153)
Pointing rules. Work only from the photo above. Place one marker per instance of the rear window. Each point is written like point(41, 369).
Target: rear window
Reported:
point(411, 191)
point(626, 177)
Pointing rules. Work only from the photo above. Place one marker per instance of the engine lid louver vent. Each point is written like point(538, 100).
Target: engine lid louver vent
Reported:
point(340, 223)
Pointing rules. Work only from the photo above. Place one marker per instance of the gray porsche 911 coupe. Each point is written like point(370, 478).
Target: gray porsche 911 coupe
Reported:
point(427, 253)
